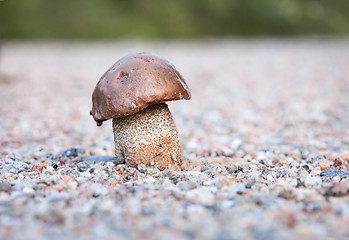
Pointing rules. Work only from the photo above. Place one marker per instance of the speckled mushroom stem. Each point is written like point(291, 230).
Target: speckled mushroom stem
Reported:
point(147, 137)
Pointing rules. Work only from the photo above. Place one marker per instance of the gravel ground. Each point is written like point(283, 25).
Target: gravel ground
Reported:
point(265, 136)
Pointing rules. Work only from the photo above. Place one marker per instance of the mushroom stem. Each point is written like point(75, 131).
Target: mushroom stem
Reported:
point(147, 137)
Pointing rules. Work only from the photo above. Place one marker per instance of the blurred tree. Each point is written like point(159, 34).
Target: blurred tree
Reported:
point(168, 18)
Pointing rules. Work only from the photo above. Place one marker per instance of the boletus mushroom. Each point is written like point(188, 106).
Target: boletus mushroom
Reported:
point(133, 93)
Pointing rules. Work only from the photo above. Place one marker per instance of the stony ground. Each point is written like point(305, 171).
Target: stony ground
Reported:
point(265, 136)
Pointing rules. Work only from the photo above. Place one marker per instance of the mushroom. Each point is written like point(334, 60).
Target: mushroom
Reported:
point(133, 93)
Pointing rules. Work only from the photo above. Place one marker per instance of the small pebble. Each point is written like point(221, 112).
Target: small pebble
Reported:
point(83, 166)
point(98, 159)
point(73, 152)
point(28, 190)
point(334, 173)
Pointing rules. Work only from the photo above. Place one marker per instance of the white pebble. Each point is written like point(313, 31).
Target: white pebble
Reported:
point(311, 181)
point(28, 190)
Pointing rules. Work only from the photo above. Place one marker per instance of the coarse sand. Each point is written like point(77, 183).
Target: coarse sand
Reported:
point(265, 140)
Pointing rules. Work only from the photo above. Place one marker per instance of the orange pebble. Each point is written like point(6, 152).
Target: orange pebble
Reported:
point(323, 166)
point(197, 169)
point(345, 156)
point(66, 178)
point(113, 183)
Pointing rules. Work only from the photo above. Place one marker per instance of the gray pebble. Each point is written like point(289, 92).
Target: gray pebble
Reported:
point(98, 159)
point(82, 166)
point(73, 152)
point(334, 173)
point(281, 173)
point(184, 185)
point(314, 158)
point(5, 187)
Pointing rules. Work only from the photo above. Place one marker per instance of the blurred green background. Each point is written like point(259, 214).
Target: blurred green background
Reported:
point(170, 18)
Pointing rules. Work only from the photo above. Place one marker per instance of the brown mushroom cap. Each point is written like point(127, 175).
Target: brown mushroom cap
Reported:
point(135, 82)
